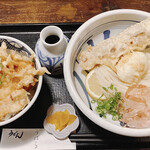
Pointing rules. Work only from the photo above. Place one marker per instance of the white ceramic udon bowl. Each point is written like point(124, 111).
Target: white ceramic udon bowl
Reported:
point(91, 32)
point(21, 47)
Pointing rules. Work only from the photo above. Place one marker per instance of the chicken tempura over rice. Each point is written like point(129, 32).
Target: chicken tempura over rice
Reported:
point(17, 76)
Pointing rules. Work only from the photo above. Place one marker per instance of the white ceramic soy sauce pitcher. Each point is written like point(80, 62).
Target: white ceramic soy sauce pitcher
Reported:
point(50, 49)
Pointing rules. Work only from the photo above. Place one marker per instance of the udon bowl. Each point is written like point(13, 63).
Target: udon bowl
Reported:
point(91, 32)
point(23, 49)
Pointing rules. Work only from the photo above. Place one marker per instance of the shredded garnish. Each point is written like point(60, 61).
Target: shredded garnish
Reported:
point(110, 103)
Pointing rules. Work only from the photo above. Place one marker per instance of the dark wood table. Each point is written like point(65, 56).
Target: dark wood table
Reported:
point(58, 11)
point(24, 19)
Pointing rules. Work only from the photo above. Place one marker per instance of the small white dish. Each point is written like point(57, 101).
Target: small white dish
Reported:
point(68, 129)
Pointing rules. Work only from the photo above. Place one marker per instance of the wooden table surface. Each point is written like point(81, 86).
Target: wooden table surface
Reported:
point(56, 11)
point(63, 11)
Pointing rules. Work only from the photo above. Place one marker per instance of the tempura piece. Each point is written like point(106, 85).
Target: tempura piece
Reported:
point(17, 77)
point(109, 51)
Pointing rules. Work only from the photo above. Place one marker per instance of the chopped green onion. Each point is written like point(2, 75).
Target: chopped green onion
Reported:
point(115, 117)
point(93, 101)
point(115, 88)
point(101, 96)
point(105, 89)
point(1, 66)
point(111, 104)
point(3, 75)
point(111, 87)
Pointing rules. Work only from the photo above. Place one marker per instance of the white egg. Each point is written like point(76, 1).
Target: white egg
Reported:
point(132, 67)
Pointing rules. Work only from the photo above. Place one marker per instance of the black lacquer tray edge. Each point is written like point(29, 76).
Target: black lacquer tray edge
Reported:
point(88, 141)
point(24, 27)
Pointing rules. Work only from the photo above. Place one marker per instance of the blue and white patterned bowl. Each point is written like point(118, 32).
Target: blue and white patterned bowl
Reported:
point(91, 32)
point(25, 50)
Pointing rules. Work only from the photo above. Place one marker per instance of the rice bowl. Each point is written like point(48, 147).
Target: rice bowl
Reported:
point(24, 50)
